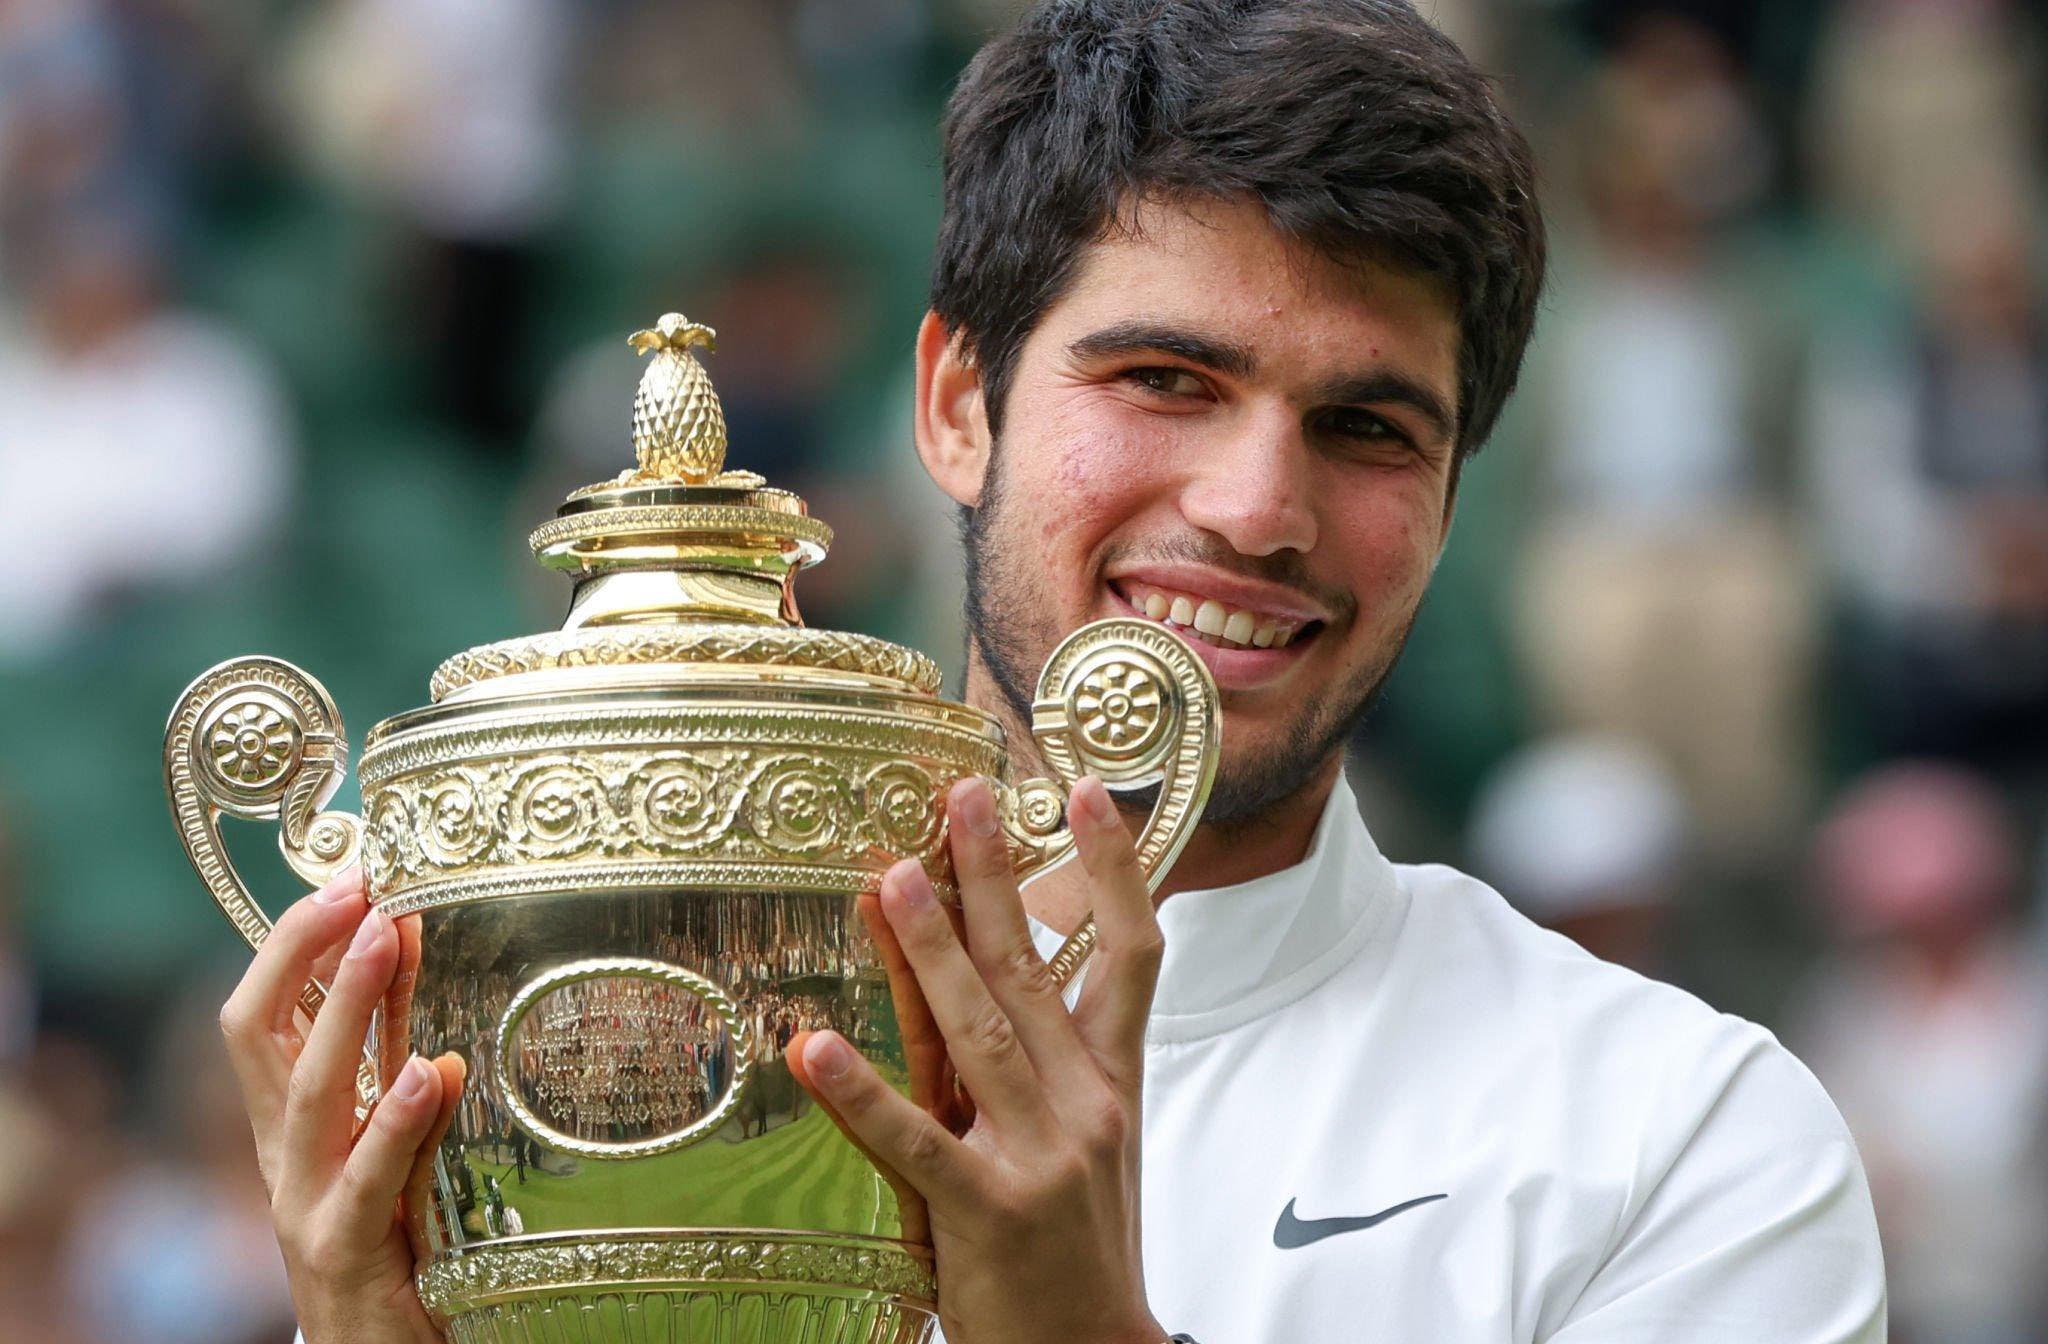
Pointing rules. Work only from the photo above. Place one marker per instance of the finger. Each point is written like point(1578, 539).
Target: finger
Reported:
point(404, 980)
point(910, 1204)
point(419, 1181)
point(257, 1020)
point(999, 939)
point(924, 1046)
point(324, 967)
point(1116, 998)
point(320, 1099)
point(980, 1038)
point(365, 1199)
point(887, 1125)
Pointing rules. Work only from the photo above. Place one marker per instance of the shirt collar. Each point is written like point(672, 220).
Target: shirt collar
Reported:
point(1238, 952)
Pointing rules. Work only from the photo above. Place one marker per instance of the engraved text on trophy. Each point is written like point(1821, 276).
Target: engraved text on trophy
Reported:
point(622, 1058)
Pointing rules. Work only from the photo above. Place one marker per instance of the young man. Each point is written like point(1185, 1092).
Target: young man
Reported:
point(1227, 291)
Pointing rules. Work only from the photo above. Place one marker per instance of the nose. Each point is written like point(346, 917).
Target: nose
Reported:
point(1252, 488)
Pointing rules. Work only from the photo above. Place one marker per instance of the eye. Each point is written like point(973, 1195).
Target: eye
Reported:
point(1167, 382)
point(1353, 422)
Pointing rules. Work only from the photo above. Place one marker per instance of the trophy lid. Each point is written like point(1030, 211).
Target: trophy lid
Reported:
point(681, 562)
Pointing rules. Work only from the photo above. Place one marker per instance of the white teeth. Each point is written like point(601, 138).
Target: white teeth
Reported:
point(1211, 622)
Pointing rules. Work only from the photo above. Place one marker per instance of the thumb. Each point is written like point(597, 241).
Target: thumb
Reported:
point(916, 1221)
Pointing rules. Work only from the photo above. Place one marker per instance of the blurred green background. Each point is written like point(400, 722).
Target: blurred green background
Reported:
point(1736, 669)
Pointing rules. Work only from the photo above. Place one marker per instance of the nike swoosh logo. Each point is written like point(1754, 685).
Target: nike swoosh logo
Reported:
point(1291, 1233)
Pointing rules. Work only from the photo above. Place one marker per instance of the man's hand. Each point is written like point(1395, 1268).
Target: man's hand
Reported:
point(1034, 1208)
point(333, 1195)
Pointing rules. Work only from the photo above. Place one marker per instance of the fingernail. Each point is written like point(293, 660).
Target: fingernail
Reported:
point(915, 884)
point(973, 806)
point(344, 884)
point(367, 933)
point(1101, 807)
point(411, 1080)
point(827, 1056)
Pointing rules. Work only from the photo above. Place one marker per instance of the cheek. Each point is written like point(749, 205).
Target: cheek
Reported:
point(1080, 487)
point(1097, 473)
point(1391, 541)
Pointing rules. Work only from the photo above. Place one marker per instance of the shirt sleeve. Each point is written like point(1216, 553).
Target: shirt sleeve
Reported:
point(1756, 1226)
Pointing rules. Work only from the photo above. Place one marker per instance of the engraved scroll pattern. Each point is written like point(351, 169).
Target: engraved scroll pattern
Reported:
point(1129, 701)
point(730, 644)
point(476, 1278)
point(259, 739)
point(721, 809)
point(697, 1315)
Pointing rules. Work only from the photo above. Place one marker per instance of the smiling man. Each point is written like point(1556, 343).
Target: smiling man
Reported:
point(1227, 293)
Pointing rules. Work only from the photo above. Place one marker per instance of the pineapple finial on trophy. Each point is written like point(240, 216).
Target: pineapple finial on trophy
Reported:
point(678, 424)
point(677, 537)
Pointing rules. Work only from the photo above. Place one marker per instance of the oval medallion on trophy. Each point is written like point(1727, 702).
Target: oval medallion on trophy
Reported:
point(619, 1057)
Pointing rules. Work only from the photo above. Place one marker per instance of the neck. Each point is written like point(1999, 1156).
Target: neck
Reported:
point(1216, 855)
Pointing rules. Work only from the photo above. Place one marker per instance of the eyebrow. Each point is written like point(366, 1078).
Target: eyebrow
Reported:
point(1377, 388)
point(1385, 386)
point(1130, 338)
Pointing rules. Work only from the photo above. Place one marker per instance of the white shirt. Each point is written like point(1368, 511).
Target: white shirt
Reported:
point(1620, 1163)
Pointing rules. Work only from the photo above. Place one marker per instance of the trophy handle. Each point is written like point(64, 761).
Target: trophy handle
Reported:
point(257, 738)
point(1128, 701)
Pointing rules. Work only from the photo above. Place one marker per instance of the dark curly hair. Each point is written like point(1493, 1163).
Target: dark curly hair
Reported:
point(1359, 128)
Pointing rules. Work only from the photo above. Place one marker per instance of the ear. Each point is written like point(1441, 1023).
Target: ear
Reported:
point(952, 417)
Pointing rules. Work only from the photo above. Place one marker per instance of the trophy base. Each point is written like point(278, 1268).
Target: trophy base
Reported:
point(695, 1287)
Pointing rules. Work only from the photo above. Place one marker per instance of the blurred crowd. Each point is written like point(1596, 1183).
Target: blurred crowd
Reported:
point(1736, 670)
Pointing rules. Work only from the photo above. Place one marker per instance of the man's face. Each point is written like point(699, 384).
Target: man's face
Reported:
point(1225, 431)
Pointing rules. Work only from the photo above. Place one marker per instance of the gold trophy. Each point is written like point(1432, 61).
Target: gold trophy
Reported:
point(635, 846)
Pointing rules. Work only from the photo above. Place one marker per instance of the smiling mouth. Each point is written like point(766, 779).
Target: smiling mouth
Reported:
point(1208, 621)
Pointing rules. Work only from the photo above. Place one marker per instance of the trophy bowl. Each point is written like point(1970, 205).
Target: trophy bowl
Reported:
point(635, 848)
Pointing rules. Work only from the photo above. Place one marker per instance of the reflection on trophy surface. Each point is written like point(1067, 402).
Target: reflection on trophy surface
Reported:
point(635, 848)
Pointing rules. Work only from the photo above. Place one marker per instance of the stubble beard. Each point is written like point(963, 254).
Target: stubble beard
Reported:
point(1009, 637)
